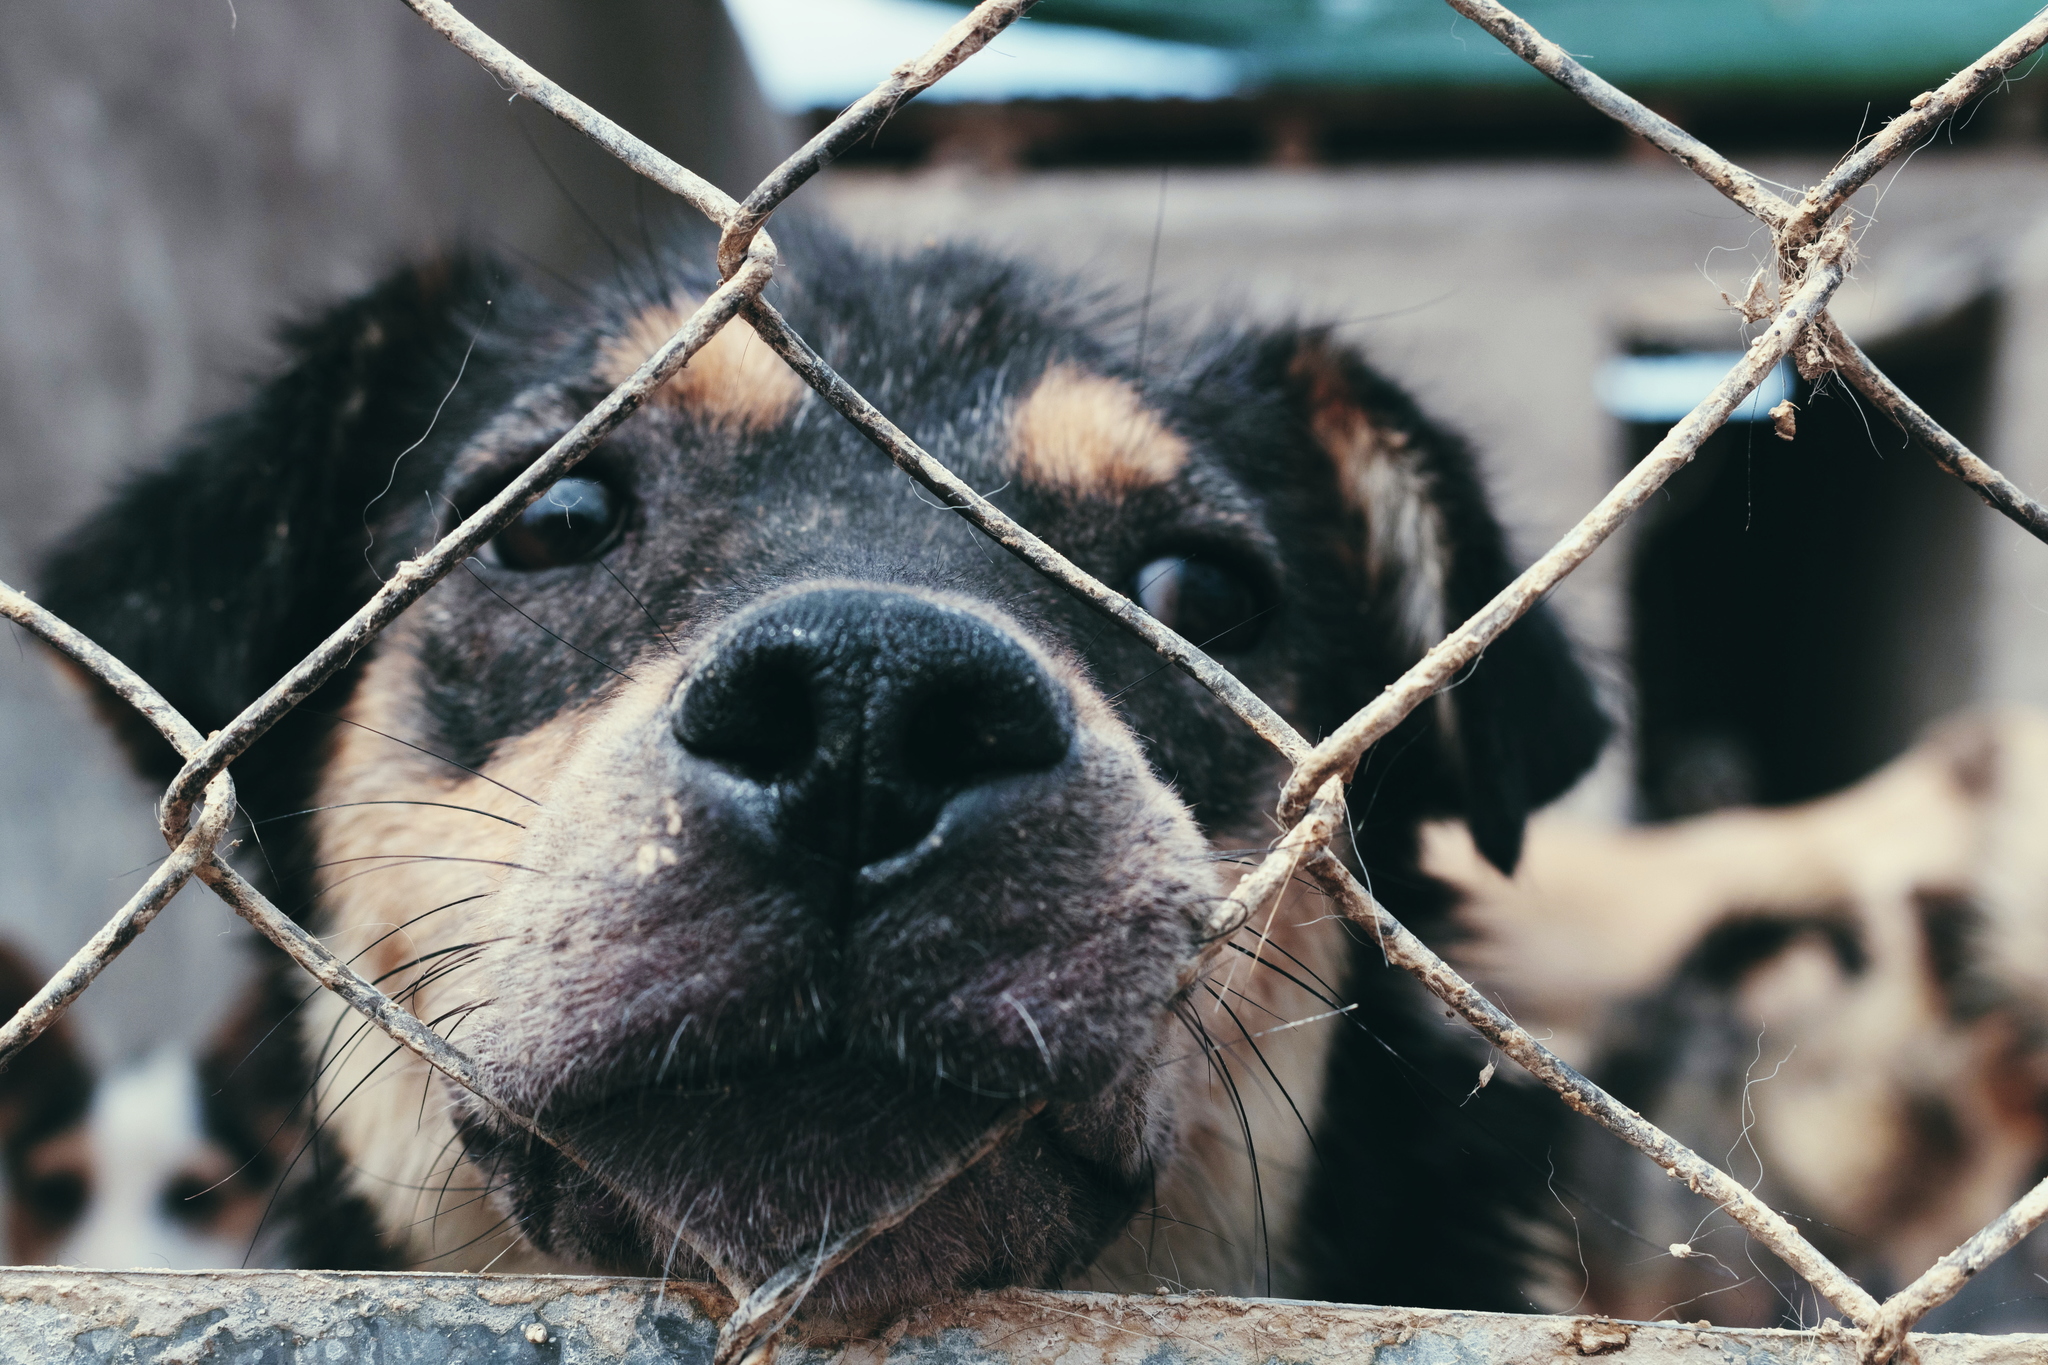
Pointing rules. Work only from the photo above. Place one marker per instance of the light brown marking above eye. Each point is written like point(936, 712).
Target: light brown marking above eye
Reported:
point(735, 383)
point(1382, 479)
point(1091, 435)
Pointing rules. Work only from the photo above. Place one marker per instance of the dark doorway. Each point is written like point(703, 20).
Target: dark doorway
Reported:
point(1798, 612)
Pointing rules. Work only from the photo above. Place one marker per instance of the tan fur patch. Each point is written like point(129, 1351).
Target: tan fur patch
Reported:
point(389, 864)
point(1087, 434)
point(1208, 1234)
point(735, 383)
point(1405, 545)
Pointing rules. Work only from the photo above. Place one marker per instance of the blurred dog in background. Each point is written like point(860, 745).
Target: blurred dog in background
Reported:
point(182, 1160)
point(1844, 1003)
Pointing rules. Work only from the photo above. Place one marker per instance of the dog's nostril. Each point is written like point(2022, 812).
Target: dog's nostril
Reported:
point(978, 729)
point(755, 712)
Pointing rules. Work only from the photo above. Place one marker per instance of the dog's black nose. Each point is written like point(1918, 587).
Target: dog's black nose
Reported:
point(866, 725)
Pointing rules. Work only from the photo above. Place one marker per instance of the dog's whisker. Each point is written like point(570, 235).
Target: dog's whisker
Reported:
point(1329, 992)
point(1226, 989)
point(307, 904)
point(510, 1243)
point(1157, 1215)
point(317, 1128)
point(307, 997)
point(443, 758)
point(659, 629)
point(541, 628)
point(492, 1230)
point(479, 1194)
point(1219, 1068)
point(362, 1031)
point(430, 956)
point(351, 805)
point(408, 859)
point(489, 1178)
point(1318, 992)
point(1251, 1040)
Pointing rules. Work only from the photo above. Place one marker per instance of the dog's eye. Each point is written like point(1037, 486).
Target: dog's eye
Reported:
point(1212, 604)
point(574, 522)
point(55, 1200)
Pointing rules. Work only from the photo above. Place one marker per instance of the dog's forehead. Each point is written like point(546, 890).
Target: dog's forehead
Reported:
point(1030, 401)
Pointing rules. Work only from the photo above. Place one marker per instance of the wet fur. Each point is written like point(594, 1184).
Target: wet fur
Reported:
point(567, 911)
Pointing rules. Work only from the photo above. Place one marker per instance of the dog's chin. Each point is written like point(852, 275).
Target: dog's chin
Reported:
point(765, 1174)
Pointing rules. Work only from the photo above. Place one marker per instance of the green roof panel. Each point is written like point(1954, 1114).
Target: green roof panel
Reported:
point(1650, 42)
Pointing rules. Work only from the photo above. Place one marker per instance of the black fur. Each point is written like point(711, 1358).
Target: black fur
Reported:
point(216, 573)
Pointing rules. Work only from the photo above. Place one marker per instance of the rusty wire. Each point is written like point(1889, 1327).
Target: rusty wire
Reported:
point(1815, 252)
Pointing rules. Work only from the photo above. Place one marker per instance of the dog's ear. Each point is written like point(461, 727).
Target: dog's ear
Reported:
point(1521, 725)
point(212, 575)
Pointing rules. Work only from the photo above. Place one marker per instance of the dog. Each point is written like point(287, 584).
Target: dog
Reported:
point(183, 1160)
point(1843, 1002)
point(765, 831)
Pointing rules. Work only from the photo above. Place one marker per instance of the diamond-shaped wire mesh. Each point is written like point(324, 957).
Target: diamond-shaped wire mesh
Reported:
point(1814, 241)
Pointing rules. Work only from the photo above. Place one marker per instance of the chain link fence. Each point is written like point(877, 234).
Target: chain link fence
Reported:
point(1815, 245)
